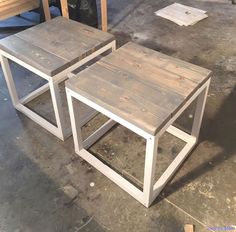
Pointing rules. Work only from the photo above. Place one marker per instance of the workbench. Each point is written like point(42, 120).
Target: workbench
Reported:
point(65, 11)
point(10, 8)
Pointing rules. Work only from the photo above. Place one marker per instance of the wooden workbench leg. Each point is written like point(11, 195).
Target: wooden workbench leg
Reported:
point(64, 8)
point(46, 10)
point(104, 14)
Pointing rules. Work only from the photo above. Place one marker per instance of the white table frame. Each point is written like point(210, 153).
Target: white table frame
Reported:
point(150, 189)
point(59, 129)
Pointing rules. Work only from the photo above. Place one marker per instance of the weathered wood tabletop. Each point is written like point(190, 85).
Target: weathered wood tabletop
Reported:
point(140, 85)
point(55, 45)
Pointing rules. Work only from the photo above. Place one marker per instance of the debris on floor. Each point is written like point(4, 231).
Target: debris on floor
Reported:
point(70, 169)
point(181, 14)
point(189, 228)
point(70, 191)
point(84, 225)
point(92, 184)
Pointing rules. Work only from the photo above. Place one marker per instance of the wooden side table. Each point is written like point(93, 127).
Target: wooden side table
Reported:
point(145, 91)
point(52, 50)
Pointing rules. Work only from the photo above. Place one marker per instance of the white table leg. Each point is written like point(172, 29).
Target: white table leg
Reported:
point(57, 106)
point(9, 80)
point(199, 111)
point(75, 122)
point(149, 170)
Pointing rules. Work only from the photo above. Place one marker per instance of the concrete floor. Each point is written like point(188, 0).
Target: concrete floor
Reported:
point(45, 187)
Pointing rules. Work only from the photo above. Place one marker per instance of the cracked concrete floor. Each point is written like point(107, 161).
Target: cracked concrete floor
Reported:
point(36, 167)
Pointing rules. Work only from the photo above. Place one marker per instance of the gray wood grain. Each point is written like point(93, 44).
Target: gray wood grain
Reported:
point(61, 38)
point(185, 69)
point(35, 56)
point(137, 86)
point(144, 93)
point(132, 108)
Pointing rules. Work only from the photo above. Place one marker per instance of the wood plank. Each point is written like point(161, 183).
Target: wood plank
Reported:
point(85, 29)
point(190, 8)
point(132, 83)
point(180, 67)
point(123, 103)
point(182, 14)
point(194, 14)
point(124, 95)
point(58, 40)
point(35, 56)
point(11, 8)
point(64, 8)
point(189, 228)
point(10, 3)
point(6, 2)
point(67, 39)
point(151, 73)
point(46, 10)
point(142, 93)
point(13, 4)
point(170, 15)
point(104, 14)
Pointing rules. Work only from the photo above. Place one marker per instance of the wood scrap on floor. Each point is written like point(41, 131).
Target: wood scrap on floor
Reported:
point(181, 14)
point(189, 228)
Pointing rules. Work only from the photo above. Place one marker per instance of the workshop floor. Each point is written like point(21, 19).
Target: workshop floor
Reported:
point(45, 187)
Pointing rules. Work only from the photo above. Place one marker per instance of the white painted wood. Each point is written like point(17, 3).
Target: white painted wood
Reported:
point(63, 75)
point(57, 106)
point(180, 134)
point(112, 175)
point(34, 94)
point(75, 122)
point(70, 75)
point(113, 45)
point(85, 119)
point(109, 114)
point(25, 65)
point(190, 8)
point(60, 131)
point(9, 80)
point(150, 190)
point(39, 120)
point(149, 169)
point(88, 117)
point(199, 111)
point(185, 106)
point(191, 140)
point(98, 133)
point(182, 14)
point(79, 149)
point(173, 167)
